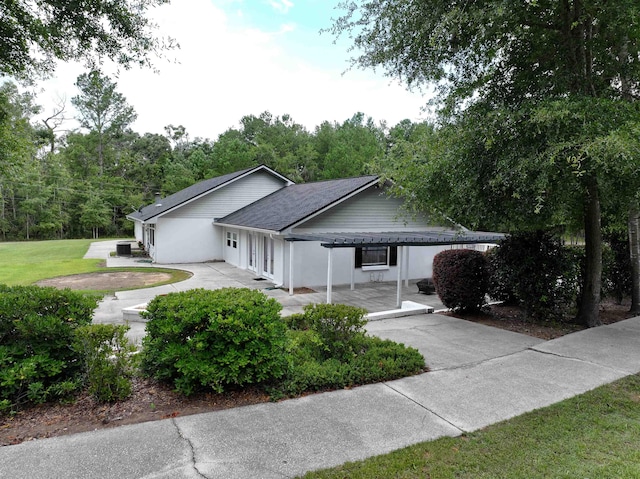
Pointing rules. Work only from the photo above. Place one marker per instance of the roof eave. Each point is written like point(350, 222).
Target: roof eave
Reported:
point(248, 228)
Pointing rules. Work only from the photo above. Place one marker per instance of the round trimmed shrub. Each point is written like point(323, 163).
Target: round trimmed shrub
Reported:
point(339, 327)
point(211, 340)
point(461, 278)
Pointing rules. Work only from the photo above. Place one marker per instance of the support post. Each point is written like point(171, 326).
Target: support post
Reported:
point(290, 268)
point(329, 274)
point(399, 285)
point(353, 270)
point(406, 271)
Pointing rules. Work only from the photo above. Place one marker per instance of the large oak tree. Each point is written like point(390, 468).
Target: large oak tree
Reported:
point(521, 75)
point(36, 34)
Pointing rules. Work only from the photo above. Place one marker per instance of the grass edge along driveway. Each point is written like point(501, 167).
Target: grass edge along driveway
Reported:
point(595, 435)
point(26, 262)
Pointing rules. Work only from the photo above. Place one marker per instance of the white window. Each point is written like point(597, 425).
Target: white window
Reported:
point(232, 239)
point(375, 257)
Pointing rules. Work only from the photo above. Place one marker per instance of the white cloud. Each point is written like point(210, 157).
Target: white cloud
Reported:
point(282, 6)
point(227, 71)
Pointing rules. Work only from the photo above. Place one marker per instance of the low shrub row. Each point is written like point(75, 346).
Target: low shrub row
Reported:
point(197, 340)
point(219, 340)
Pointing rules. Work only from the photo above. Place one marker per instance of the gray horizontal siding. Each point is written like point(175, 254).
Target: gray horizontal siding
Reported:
point(229, 198)
point(371, 210)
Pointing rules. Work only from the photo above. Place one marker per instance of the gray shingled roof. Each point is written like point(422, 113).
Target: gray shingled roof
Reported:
point(182, 196)
point(294, 203)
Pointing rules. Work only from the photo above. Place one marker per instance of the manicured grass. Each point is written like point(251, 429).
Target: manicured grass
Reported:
point(24, 263)
point(595, 435)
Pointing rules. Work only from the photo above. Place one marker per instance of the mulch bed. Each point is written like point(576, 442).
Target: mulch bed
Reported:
point(512, 318)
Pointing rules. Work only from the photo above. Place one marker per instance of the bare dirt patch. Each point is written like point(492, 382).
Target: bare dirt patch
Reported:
point(512, 318)
point(150, 401)
point(300, 290)
point(109, 280)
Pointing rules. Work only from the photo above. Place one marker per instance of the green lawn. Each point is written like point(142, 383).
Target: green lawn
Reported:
point(595, 435)
point(24, 263)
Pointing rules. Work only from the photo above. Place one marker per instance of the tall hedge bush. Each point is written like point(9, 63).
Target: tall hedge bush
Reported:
point(461, 278)
point(537, 271)
point(213, 340)
point(37, 361)
point(616, 264)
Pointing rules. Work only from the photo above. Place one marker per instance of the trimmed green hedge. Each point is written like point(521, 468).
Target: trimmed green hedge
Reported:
point(329, 349)
point(213, 340)
point(202, 340)
point(37, 327)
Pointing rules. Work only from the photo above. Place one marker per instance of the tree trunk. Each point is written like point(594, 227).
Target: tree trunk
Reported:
point(590, 302)
point(634, 253)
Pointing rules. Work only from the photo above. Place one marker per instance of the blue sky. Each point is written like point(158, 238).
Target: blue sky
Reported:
point(241, 57)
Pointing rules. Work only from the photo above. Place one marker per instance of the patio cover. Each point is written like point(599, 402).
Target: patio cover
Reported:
point(394, 238)
point(398, 238)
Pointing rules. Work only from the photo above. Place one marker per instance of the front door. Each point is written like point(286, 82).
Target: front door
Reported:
point(253, 252)
point(268, 253)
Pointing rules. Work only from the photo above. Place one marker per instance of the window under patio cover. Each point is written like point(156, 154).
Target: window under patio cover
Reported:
point(398, 238)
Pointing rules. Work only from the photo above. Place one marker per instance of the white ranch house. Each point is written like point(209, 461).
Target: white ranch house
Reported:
point(344, 231)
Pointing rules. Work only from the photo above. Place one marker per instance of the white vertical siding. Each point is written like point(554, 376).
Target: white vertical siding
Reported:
point(230, 197)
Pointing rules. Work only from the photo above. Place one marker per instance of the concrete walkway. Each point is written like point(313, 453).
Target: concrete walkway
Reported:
point(480, 375)
point(372, 296)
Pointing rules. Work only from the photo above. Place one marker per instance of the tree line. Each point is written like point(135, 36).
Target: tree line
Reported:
point(82, 183)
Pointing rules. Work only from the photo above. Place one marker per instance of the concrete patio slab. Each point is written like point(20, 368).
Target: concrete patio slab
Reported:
point(448, 342)
point(407, 322)
point(408, 308)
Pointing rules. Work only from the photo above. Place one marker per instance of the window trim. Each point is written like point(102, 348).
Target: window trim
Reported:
point(392, 259)
point(232, 240)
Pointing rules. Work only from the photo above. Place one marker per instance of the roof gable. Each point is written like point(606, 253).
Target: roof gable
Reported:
point(293, 204)
point(194, 191)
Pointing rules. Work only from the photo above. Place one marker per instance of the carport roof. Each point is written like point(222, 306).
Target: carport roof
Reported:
point(398, 238)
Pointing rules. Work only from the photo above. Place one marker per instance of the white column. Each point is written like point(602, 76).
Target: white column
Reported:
point(406, 271)
point(399, 285)
point(329, 274)
point(291, 268)
point(353, 270)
